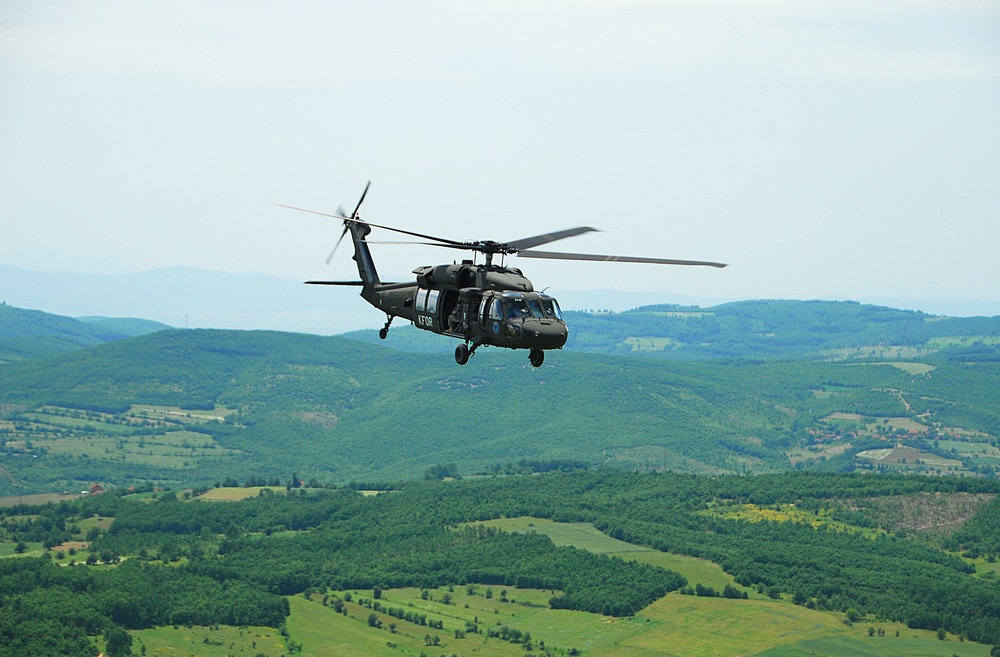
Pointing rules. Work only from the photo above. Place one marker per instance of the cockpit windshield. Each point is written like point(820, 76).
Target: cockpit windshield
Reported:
point(519, 306)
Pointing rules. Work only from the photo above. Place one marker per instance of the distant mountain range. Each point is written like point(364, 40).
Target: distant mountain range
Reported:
point(189, 297)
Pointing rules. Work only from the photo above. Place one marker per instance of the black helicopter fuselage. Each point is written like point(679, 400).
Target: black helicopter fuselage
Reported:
point(478, 304)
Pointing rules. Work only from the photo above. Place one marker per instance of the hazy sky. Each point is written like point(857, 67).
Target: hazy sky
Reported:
point(836, 149)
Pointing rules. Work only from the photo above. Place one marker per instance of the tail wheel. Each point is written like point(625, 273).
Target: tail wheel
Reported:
point(537, 357)
point(462, 354)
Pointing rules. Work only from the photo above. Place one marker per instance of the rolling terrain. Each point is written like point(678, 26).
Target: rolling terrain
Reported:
point(195, 407)
point(652, 565)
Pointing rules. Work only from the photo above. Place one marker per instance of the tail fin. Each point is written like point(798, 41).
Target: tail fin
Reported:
point(362, 256)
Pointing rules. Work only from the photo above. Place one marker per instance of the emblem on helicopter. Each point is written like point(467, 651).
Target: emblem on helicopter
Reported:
point(479, 304)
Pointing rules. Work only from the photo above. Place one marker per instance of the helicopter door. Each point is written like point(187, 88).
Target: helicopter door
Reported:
point(425, 307)
point(492, 316)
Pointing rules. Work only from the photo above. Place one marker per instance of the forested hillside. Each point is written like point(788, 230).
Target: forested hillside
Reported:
point(800, 539)
point(201, 406)
point(28, 334)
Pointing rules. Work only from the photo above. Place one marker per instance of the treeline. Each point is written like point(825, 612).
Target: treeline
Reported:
point(981, 535)
point(531, 466)
point(348, 541)
point(52, 610)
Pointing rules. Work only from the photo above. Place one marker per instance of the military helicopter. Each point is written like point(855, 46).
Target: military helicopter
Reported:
point(480, 304)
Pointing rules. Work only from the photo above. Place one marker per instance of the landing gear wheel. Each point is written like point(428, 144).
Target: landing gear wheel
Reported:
point(537, 357)
point(384, 331)
point(462, 354)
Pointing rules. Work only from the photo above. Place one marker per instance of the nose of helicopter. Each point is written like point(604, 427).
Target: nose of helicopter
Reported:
point(544, 334)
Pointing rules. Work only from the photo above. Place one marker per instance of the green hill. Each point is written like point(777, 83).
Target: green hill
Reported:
point(824, 330)
point(816, 330)
point(33, 333)
point(204, 405)
point(130, 326)
point(26, 334)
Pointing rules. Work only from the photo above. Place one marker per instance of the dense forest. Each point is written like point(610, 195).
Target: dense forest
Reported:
point(231, 563)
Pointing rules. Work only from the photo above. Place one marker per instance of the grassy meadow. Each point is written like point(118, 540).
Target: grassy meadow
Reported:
point(200, 641)
point(587, 537)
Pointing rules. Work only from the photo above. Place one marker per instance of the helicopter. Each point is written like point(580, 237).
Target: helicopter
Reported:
point(479, 304)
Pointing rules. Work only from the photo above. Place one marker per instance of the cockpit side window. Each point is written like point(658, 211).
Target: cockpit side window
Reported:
point(552, 308)
point(496, 309)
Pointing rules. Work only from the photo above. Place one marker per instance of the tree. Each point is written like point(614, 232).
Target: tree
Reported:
point(119, 642)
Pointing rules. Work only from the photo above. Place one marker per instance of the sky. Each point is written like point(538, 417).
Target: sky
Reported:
point(843, 150)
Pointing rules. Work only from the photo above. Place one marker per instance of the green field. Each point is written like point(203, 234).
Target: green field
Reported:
point(675, 626)
point(322, 631)
point(910, 643)
point(233, 494)
point(218, 641)
point(651, 344)
point(587, 537)
point(145, 435)
point(713, 627)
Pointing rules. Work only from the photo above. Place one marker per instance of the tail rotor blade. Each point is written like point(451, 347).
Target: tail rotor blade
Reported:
point(335, 246)
point(354, 215)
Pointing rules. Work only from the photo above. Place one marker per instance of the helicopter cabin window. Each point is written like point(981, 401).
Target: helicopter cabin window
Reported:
point(420, 301)
point(432, 300)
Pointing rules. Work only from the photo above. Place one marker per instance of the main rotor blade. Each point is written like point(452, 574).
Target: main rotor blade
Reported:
point(354, 215)
point(444, 241)
point(322, 214)
point(446, 246)
point(538, 240)
point(395, 230)
point(613, 258)
point(355, 283)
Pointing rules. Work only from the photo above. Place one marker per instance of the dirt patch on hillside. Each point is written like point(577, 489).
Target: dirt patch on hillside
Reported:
point(937, 514)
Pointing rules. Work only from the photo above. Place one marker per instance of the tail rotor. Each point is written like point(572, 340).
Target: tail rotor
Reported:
point(348, 219)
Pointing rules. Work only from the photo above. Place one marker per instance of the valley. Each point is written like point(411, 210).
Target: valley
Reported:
point(299, 494)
